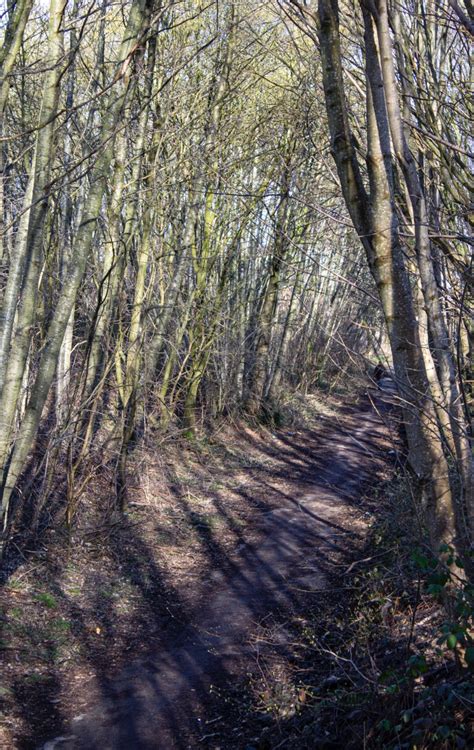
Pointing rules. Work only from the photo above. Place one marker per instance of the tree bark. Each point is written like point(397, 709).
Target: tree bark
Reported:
point(14, 463)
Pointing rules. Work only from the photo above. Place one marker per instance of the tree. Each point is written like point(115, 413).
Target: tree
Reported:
point(384, 196)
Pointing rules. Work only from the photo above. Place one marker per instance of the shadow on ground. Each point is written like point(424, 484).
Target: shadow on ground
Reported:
point(160, 662)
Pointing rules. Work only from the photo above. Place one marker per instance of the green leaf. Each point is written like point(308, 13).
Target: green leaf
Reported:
point(451, 640)
point(439, 579)
point(443, 732)
point(469, 656)
point(435, 589)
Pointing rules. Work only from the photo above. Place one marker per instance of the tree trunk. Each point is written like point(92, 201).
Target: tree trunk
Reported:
point(13, 465)
point(376, 222)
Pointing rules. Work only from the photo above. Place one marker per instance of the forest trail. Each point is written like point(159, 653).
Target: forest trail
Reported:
point(160, 702)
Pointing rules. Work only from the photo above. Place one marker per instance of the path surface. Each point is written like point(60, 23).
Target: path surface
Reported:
point(158, 703)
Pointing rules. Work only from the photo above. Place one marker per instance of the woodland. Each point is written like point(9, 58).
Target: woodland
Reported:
point(212, 211)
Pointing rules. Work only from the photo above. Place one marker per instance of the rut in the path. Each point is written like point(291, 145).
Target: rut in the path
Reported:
point(157, 704)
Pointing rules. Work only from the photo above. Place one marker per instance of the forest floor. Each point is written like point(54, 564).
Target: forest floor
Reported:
point(179, 625)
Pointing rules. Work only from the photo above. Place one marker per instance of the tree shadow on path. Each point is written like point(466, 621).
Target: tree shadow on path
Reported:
point(301, 527)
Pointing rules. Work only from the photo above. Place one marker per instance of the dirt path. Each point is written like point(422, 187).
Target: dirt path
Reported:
point(317, 485)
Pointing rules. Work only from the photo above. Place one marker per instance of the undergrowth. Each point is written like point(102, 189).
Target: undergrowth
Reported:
point(394, 665)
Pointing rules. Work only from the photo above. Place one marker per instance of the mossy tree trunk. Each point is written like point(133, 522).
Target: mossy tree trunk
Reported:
point(13, 461)
point(375, 218)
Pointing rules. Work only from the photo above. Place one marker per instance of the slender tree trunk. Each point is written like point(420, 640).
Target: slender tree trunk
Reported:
point(13, 465)
point(13, 37)
point(63, 378)
point(257, 388)
point(376, 223)
point(448, 391)
point(15, 338)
